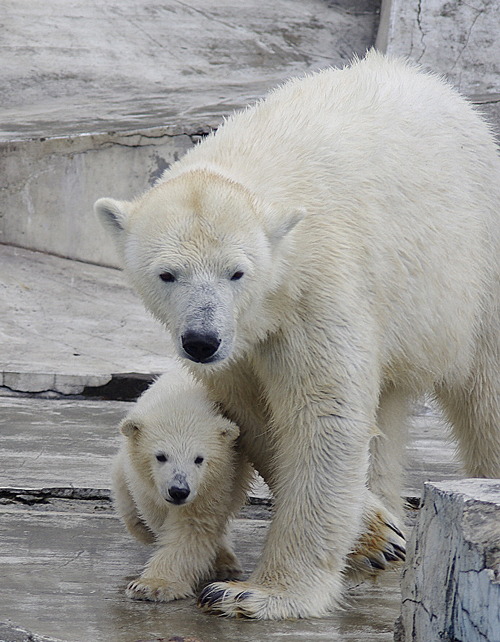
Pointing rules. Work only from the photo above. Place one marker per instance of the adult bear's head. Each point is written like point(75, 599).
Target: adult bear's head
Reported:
point(205, 256)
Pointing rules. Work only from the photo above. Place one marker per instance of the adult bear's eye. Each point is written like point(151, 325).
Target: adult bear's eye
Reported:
point(198, 461)
point(168, 277)
point(237, 275)
point(161, 457)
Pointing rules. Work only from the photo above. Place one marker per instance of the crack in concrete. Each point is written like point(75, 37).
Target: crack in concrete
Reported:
point(43, 494)
point(469, 32)
point(421, 29)
point(73, 559)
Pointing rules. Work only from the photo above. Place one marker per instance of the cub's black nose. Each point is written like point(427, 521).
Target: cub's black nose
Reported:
point(178, 494)
point(200, 347)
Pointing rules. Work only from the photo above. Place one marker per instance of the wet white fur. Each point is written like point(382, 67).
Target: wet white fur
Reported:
point(175, 418)
point(362, 205)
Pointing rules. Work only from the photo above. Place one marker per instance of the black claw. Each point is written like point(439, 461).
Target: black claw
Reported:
point(376, 564)
point(390, 557)
point(400, 551)
point(210, 595)
point(242, 596)
point(395, 529)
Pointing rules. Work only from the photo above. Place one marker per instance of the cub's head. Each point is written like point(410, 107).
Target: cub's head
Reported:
point(178, 443)
point(204, 256)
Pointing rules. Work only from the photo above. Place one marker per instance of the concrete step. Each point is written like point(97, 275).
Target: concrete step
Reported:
point(64, 573)
point(69, 443)
point(66, 326)
point(100, 100)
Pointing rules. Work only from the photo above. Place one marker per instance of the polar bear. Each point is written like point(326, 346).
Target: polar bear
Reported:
point(327, 256)
point(177, 480)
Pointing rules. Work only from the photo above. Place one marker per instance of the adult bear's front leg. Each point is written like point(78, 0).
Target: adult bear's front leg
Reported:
point(321, 454)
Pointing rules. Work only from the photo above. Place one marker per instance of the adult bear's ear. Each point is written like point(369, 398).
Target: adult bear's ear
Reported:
point(130, 427)
point(285, 225)
point(113, 216)
point(229, 429)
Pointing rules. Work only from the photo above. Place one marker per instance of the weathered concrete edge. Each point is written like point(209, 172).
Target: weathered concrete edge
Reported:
point(10, 632)
point(32, 495)
point(56, 181)
point(126, 137)
point(123, 386)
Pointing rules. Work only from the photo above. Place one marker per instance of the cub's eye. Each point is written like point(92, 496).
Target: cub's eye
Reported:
point(168, 277)
point(237, 275)
point(198, 461)
point(161, 457)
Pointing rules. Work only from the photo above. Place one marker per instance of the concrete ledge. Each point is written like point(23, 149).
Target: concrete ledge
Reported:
point(451, 584)
point(64, 325)
point(54, 183)
point(458, 39)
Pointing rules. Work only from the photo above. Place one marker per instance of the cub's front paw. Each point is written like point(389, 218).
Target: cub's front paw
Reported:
point(157, 590)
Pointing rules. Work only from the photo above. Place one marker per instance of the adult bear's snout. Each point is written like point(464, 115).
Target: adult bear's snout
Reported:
point(200, 347)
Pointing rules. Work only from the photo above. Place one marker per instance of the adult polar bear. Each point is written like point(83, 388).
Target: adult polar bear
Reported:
point(324, 257)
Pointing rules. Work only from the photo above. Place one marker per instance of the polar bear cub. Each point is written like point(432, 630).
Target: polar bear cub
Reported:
point(177, 480)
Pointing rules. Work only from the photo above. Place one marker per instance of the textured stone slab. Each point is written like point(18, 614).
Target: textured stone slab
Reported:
point(58, 443)
point(451, 584)
point(66, 325)
point(458, 39)
point(64, 575)
point(86, 66)
point(99, 100)
point(54, 182)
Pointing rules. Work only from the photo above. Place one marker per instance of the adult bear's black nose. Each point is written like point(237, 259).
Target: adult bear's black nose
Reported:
point(200, 347)
point(179, 494)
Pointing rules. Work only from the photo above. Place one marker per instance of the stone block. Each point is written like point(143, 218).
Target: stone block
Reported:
point(458, 39)
point(450, 586)
point(54, 182)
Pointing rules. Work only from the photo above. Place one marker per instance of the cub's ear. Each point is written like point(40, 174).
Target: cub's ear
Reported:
point(285, 225)
point(130, 427)
point(113, 216)
point(229, 429)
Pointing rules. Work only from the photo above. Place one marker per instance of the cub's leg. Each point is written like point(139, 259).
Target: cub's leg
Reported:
point(186, 556)
point(227, 566)
point(125, 505)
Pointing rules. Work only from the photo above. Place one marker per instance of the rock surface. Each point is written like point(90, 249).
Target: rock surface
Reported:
point(451, 584)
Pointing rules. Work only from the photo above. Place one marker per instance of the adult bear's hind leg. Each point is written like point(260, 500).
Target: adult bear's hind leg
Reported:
point(473, 409)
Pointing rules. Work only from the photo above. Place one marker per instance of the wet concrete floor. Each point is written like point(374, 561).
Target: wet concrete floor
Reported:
point(65, 558)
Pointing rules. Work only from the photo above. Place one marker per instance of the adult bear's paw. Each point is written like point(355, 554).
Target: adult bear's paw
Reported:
point(157, 590)
point(381, 546)
point(246, 600)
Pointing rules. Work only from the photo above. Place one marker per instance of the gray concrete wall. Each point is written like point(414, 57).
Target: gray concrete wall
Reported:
point(458, 39)
point(49, 186)
point(151, 74)
point(154, 73)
